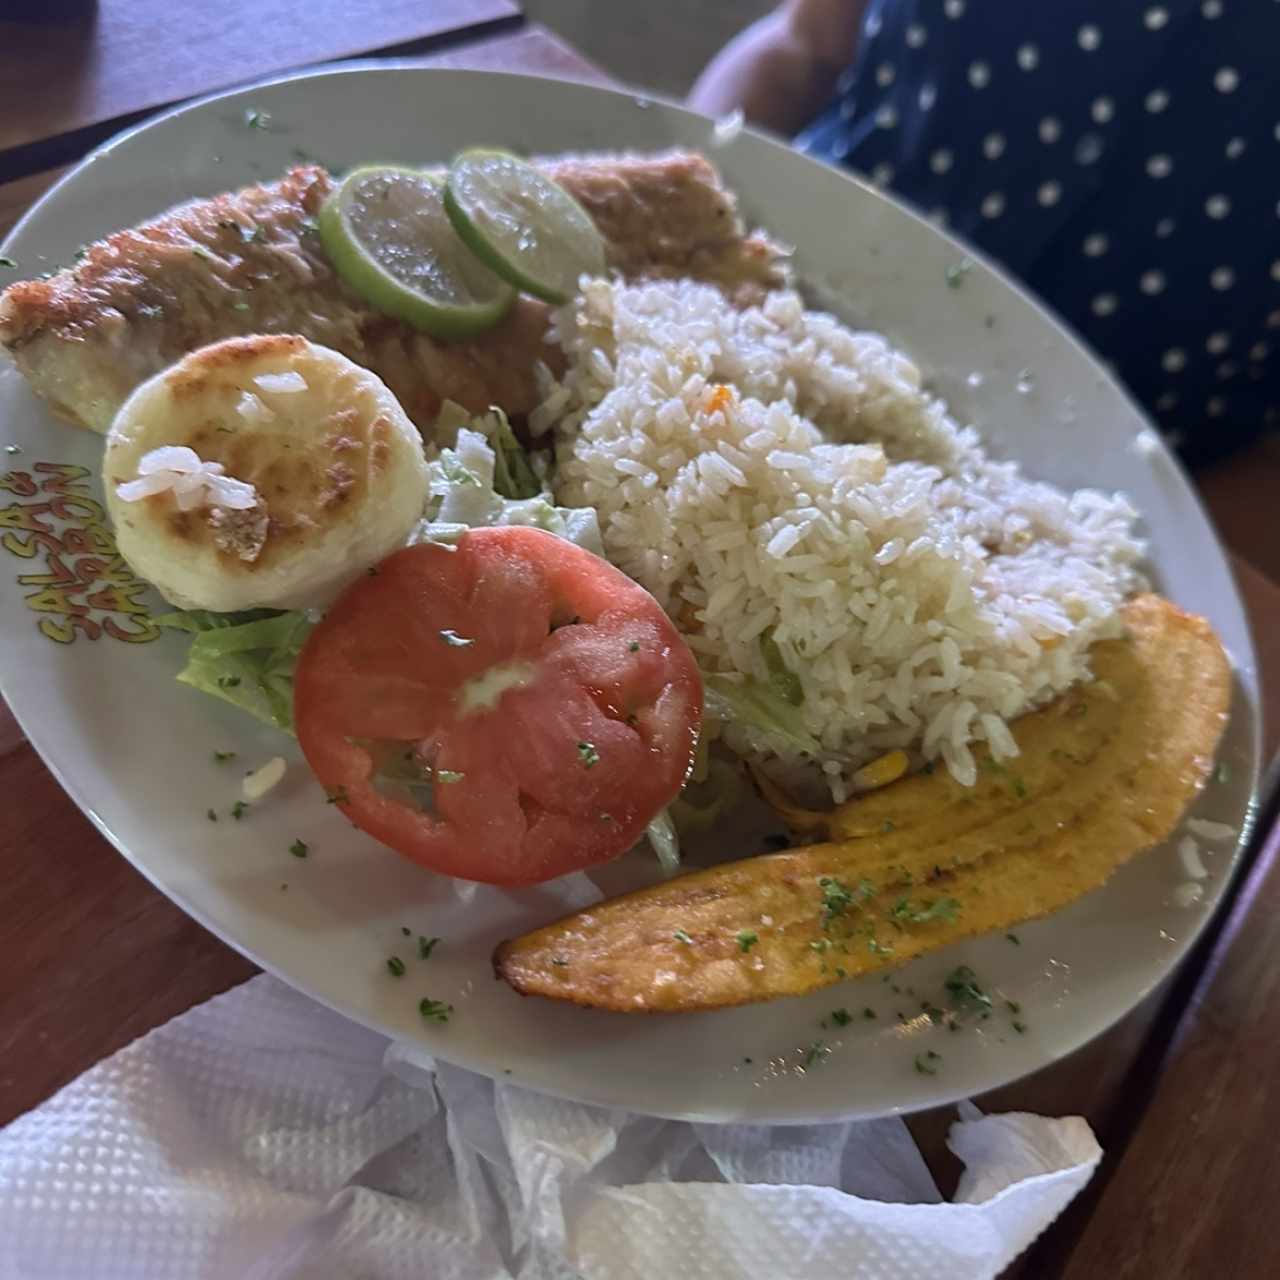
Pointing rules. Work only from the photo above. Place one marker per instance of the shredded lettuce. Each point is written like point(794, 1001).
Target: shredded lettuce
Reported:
point(664, 841)
point(759, 707)
point(246, 659)
point(486, 478)
point(513, 475)
point(782, 680)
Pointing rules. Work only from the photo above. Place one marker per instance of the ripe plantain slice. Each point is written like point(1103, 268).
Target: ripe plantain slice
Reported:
point(1104, 772)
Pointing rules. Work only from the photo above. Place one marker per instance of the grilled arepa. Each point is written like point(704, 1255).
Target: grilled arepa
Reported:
point(261, 472)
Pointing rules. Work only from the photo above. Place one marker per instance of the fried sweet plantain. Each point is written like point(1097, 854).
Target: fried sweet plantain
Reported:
point(1105, 772)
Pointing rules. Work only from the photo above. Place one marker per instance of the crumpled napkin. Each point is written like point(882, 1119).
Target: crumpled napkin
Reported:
point(263, 1137)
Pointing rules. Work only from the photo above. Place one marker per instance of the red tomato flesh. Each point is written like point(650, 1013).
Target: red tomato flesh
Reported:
point(538, 697)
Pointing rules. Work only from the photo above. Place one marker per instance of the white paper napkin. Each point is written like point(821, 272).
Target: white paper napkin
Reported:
point(263, 1137)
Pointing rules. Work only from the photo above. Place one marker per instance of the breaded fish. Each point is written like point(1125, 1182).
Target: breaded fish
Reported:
point(251, 262)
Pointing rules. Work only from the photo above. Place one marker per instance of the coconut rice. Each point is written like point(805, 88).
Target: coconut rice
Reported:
point(768, 471)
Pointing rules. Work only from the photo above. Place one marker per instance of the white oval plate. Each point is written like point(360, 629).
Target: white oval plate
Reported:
point(133, 747)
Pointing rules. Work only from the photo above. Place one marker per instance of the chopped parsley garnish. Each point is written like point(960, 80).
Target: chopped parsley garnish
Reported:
point(454, 640)
point(211, 815)
point(239, 306)
point(817, 1050)
point(426, 946)
point(228, 682)
point(404, 929)
point(1013, 937)
point(887, 826)
point(634, 647)
point(1020, 1027)
point(681, 936)
point(869, 1013)
point(962, 984)
point(837, 898)
point(925, 1062)
point(904, 911)
point(434, 1010)
point(1019, 788)
point(448, 775)
point(1013, 1006)
point(221, 757)
point(6, 261)
point(12, 449)
point(299, 849)
point(257, 119)
point(879, 948)
point(1223, 772)
point(957, 272)
point(396, 966)
point(588, 754)
point(841, 1017)
point(239, 809)
point(336, 795)
point(747, 940)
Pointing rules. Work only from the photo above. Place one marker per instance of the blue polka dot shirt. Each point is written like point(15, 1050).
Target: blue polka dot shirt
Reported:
point(1122, 158)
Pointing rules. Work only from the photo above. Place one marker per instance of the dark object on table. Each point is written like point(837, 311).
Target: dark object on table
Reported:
point(47, 12)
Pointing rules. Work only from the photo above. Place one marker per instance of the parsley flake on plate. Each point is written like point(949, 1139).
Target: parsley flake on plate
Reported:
point(434, 1010)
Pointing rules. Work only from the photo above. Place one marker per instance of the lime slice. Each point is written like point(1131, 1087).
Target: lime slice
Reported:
point(387, 234)
point(517, 221)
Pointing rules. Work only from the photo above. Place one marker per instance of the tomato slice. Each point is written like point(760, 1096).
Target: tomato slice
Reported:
point(507, 711)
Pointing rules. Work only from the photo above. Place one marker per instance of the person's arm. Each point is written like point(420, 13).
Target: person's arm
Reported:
point(780, 70)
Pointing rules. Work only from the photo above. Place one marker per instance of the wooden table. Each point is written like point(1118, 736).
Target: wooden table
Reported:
point(91, 956)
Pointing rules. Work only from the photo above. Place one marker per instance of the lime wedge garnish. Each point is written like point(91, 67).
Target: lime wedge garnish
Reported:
point(527, 228)
point(387, 234)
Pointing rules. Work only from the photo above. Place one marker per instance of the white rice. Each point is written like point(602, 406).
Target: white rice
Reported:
point(925, 594)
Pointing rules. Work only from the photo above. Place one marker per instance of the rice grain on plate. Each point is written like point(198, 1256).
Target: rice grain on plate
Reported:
point(768, 470)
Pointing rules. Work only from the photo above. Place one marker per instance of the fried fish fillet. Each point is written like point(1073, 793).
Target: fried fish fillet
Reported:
point(251, 262)
point(1105, 772)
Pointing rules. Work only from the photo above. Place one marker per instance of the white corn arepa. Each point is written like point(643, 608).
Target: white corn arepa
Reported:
point(336, 467)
